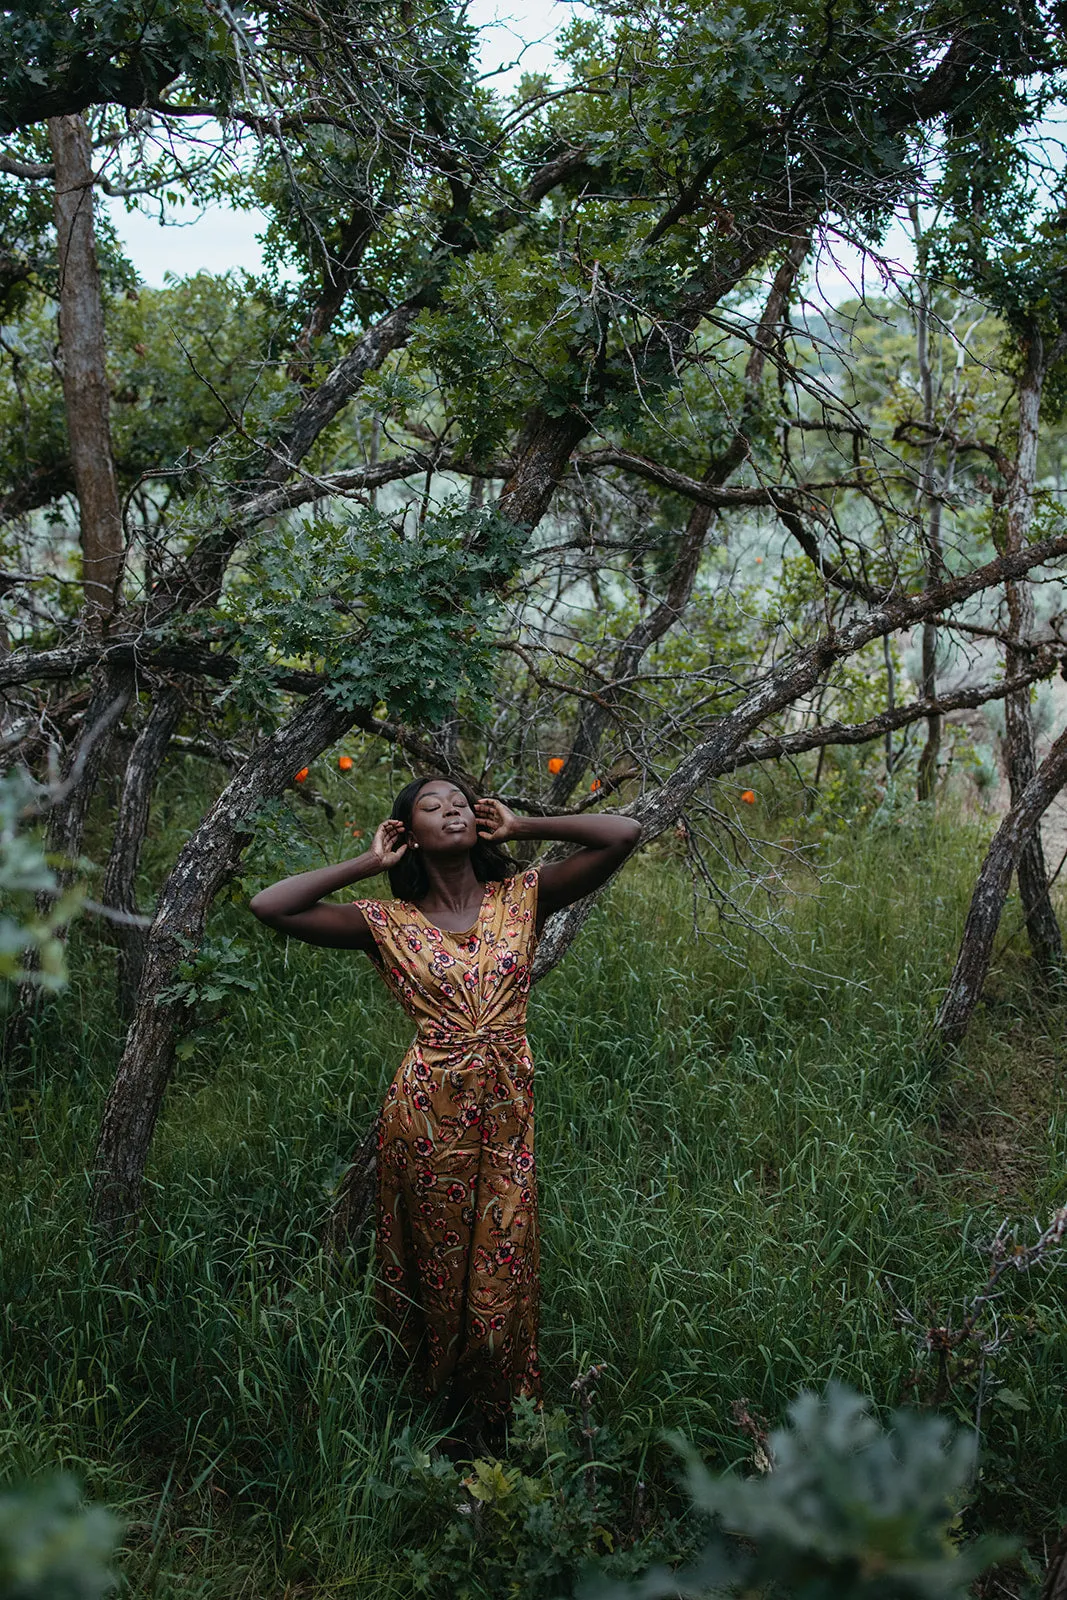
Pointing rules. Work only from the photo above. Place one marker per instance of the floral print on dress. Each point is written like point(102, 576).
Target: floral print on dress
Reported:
point(457, 1235)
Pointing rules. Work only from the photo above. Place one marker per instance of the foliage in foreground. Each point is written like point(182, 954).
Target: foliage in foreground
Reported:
point(850, 1510)
point(563, 1500)
point(53, 1548)
point(25, 871)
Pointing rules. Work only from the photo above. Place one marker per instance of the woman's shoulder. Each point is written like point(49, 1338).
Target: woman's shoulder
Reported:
point(522, 884)
point(382, 912)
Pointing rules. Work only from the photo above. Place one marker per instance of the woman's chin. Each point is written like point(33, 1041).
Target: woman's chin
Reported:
point(460, 844)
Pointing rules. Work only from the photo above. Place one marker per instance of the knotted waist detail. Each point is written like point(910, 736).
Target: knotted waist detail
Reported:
point(454, 1036)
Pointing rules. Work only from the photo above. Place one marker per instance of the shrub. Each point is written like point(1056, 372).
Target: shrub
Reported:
point(850, 1511)
point(565, 1501)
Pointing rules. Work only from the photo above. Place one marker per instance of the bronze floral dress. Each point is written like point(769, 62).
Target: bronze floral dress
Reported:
point(457, 1241)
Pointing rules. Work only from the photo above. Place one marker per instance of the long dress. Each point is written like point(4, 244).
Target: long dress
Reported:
point(457, 1246)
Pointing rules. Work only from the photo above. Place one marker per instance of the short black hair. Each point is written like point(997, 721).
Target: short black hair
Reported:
point(408, 879)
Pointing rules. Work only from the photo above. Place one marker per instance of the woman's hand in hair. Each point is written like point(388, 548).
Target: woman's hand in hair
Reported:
point(389, 844)
point(494, 821)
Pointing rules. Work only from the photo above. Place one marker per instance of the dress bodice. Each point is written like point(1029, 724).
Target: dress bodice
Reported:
point(461, 984)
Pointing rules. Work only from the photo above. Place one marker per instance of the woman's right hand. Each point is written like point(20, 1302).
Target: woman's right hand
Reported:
point(388, 844)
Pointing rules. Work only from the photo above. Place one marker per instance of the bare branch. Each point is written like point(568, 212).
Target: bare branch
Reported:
point(830, 733)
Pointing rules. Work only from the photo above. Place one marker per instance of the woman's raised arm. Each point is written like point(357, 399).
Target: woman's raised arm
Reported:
point(605, 843)
point(294, 905)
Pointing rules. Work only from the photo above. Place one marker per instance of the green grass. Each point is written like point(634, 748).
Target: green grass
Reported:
point(742, 1164)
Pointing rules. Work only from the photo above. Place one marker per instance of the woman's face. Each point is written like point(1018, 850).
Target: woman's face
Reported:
point(441, 819)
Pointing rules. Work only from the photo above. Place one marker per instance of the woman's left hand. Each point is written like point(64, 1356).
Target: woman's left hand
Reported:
point(494, 821)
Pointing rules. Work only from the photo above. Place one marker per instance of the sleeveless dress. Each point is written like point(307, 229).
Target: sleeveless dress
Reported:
point(457, 1246)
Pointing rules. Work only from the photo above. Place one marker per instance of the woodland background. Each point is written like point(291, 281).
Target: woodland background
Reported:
point(537, 453)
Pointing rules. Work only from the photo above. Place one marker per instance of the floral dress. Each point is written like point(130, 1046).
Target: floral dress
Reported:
point(457, 1244)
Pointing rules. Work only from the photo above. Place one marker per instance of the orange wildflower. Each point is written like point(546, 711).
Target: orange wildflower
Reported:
point(594, 786)
point(345, 763)
point(298, 777)
point(749, 797)
point(555, 764)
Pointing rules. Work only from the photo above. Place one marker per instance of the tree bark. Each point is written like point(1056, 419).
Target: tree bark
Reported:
point(991, 891)
point(131, 823)
point(85, 389)
point(1042, 926)
point(926, 777)
point(541, 458)
point(204, 864)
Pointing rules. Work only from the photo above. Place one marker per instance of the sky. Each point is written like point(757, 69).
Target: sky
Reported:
point(517, 36)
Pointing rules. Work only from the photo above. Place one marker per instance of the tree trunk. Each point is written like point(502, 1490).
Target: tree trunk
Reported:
point(85, 388)
point(354, 1202)
point(112, 689)
point(1020, 748)
point(131, 823)
point(1042, 926)
point(926, 777)
point(926, 781)
point(991, 891)
point(204, 864)
point(83, 347)
point(541, 458)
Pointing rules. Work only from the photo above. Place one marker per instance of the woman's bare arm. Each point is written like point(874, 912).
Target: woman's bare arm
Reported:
point(606, 841)
point(294, 905)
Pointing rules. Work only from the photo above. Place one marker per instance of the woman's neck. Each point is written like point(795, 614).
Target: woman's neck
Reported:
point(454, 888)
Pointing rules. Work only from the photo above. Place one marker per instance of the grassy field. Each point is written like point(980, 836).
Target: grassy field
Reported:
point(747, 1170)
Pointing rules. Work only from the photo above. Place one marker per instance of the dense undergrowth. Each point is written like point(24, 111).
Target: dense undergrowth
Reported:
point(749, 1166)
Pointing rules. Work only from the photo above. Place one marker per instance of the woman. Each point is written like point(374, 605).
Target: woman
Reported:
point(457, 1192)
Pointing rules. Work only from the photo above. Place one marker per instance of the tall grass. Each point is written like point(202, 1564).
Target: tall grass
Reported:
point(746, 1168)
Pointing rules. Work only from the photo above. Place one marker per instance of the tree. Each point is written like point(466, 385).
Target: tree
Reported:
point(1002, 859)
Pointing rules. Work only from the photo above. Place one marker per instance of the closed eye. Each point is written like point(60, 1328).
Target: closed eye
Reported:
point(433, 803)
